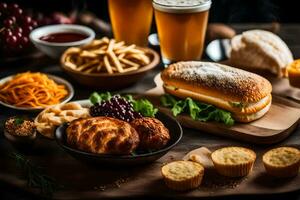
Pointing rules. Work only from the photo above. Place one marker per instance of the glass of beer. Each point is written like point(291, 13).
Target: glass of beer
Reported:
point(131, 20)
point(181, 26)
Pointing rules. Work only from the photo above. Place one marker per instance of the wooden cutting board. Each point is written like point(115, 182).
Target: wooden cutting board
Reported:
point(276, 125)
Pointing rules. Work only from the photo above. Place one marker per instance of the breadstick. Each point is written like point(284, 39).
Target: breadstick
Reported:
point(130, 69)
point(128, 62)
point(110, 45)
point(115, 61)
point(87, 65)
point(126, 49)
point(119, 45)
point(88, 54)
point(107, 65)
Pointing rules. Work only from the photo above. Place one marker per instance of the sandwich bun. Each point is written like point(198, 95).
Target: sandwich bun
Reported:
point(246, 95)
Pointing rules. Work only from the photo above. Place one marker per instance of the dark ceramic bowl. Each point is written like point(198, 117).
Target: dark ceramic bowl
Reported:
point(124, 160)
point(113, 81)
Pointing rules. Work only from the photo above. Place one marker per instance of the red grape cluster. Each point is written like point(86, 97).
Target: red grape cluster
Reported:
point(117, 107)
point(15, 26)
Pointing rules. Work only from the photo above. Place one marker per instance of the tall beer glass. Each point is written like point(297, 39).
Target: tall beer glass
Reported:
point(131, 20)
point(181, 26)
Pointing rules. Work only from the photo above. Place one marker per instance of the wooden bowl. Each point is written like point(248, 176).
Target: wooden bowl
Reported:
point(113, 81)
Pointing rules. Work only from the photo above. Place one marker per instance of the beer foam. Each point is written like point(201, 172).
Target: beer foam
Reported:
point(181, 3)
point(181, 6)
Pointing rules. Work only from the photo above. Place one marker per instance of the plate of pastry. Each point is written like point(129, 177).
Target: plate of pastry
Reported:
point(111, 129)
point(34, 91)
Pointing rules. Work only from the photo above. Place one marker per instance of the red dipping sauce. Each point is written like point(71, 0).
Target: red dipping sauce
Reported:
point(63, 37)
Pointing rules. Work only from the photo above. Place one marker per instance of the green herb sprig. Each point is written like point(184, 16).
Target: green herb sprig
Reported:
point(35, 176)
point(197, 110)
point(19, 120)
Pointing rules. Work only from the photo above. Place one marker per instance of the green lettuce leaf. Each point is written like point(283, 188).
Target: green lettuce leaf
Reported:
point(197, 110)
point(168, 100)
point(144, 107)
point(179, 107)
point(96, 97)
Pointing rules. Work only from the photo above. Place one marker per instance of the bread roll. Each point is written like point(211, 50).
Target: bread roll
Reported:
point(260, 50)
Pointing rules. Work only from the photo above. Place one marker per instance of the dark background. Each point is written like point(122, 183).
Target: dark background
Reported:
point(226, 11)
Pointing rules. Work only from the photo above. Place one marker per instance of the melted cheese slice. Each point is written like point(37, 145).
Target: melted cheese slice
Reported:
point(219, 101)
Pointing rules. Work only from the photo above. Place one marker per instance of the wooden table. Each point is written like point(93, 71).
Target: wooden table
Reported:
point(290, 33)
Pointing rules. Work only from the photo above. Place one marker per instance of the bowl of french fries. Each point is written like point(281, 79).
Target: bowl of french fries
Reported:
point(108, 64)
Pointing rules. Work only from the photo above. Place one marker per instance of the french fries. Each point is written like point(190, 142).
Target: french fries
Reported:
point(105, 56)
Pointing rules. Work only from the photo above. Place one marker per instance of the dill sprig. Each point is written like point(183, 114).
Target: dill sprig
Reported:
point(35, 176)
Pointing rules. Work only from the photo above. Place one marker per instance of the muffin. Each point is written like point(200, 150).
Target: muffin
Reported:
point(233, 161)
point(282, 162)
point(182, 175)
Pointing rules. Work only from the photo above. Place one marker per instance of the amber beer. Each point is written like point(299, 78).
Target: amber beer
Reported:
point(131, 20)
point(181, 28)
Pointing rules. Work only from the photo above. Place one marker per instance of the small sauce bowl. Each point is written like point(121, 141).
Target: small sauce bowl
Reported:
point(55, 49)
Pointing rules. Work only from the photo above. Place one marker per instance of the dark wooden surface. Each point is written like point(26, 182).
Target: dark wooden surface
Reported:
point(290, 33)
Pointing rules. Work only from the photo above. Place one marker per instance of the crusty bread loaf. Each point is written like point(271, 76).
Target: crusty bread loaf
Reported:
point(102, 135)
point(216, 80)
point(260, 50)
point(246, 95)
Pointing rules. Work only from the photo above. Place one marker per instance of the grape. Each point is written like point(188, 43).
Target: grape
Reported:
point(13, 18)
point(26, 20)
point(27, 29)
point(14, 6)
point(117, 107)
point(24, 41)
point(19, 30)
point(18, 35)
point(34, 23)
point(18, 12)
point(12, 41)
point(3, 6)
point(8, 23)
point(7, 33)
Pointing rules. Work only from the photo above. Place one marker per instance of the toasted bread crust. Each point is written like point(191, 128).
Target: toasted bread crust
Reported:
point(218, 81)
point(102, 135)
